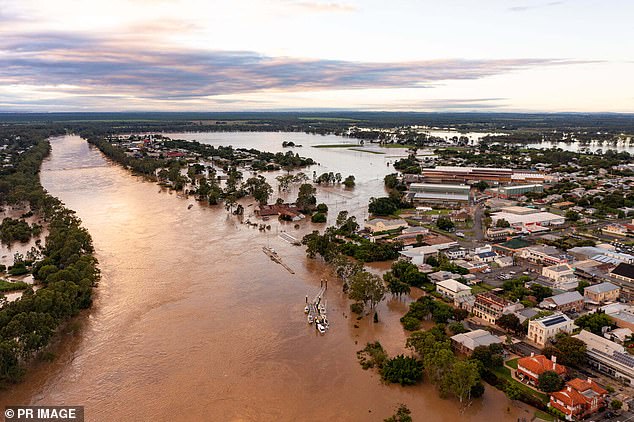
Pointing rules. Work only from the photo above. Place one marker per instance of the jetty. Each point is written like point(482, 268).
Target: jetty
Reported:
point(275, 257)
point(316, 311)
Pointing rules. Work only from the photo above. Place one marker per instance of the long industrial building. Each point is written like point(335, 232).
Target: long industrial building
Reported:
point(433, 193)
point(451, 174)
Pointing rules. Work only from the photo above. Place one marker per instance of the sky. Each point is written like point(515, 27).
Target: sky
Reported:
point(249, 55)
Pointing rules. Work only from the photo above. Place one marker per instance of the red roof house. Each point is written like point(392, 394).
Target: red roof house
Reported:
point(579, 398)
point(529, 368)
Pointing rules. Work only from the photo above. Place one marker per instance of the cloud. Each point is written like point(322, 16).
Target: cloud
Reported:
point(535, 6)
point(82, 69)
point(327, 7)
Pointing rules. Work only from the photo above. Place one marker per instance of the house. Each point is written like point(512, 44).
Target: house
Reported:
point(602, 293)
point(466, 342)
point(485, 257)
point(529, 368)
point(490, 307)
point(579, 399)
point(565, 302)
point(608, 357)
point(452, 289)
point(543, 329)
point(618, 335)
point(382, 225)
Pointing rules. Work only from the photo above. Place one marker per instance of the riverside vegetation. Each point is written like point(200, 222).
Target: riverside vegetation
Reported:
point(65, 266)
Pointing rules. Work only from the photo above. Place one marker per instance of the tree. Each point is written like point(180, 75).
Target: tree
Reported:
point(462, 378)
point(444, 223)
point(383, 206)
point(572, 215)
point(502, 223)
point(404, 370)
point(349, 182)
point(549, 381)
point(569, 351)
point(582, 285)
point(616, 404)
point(258, 188)
point(366, 287)
point(482, 185)
point(402, 415)
point(595, 322)
point(323, 208)
point(510, 322)
point(306, 197)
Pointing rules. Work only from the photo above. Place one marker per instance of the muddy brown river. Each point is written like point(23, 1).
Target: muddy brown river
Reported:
point(192, 321)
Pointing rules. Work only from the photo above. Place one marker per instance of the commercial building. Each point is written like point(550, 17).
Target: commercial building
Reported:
point(608, 357)
point(443, 174)
point(544, 255)
point(529, 368)
point(439, 194)
point(506, 192)
point(565, 302)
point(602, 293)
point(527, 219)
point(499, 233)
point(452, 289)
point(579, 399)
point(466, 342)
point(491, 307)
point(543, 329)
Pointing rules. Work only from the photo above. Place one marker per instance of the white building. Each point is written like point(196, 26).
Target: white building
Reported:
point(527, 219)
point(543, 329)
point(452, 289)
point(562, 275)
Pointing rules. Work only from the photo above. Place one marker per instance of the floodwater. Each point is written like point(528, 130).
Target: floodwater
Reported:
point(192, 321)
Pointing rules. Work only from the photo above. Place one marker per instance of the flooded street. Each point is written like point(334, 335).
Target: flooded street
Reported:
point(192, 321)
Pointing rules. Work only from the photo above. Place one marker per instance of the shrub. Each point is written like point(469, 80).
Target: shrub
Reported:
point(323, 208)
point(357, 308)
point(318, 218)
point(410, 323)
point(404, 370)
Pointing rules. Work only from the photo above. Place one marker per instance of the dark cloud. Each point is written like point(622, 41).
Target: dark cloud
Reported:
point(125, 68)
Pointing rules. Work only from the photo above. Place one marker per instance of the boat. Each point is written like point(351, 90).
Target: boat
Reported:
point(306, 310)
point(310, 319)
point(321, 329)
point(190, 206)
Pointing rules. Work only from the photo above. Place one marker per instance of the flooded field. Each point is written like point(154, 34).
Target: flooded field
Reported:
point(192, 321)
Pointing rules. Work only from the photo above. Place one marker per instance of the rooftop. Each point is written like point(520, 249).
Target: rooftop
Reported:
point(476, 338)
point(601, 288)
point(624, 270)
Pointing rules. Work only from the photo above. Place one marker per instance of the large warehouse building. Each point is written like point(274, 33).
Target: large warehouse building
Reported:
point(528, 219)
point(514, 191)
point(442, 194)
point(443, 174)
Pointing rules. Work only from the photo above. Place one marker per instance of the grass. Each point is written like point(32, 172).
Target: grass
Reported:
point(6, 286)
point(512, 363)
point(480, 288)
point(544, 416)
point(336, 146)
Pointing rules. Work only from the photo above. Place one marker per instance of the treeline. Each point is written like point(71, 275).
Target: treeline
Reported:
point(147, 166)
point(68, 270)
